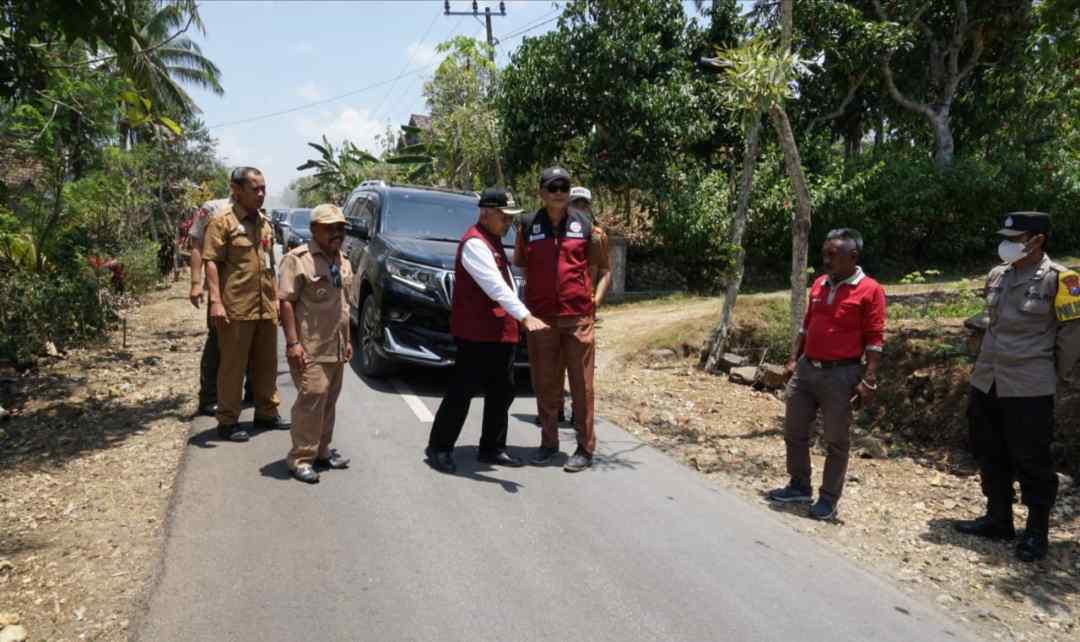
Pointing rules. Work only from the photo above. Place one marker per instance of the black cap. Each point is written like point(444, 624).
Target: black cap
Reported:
point(500, 198)
point(1017, 223)
point(553, 174)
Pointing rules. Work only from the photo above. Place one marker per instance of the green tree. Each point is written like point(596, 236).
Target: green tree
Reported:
point(338, 171)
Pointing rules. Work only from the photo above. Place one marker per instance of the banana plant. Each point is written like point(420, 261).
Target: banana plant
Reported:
point(337, 170)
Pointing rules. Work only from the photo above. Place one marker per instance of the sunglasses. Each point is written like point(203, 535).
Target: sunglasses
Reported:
point(335, 275)
point(558, 187)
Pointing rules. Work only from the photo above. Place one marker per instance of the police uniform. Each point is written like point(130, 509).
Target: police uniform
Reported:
point(242, 245)
point(211, 354)
point(1031, 343)
point(317, 285)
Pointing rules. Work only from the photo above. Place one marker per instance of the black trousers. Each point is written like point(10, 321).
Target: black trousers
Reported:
point(1010, 438)
point(481, 367)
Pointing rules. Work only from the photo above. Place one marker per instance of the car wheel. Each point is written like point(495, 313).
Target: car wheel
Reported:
point(372, 364)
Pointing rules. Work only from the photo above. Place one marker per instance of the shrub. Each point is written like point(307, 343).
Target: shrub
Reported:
point(65, 309)
point(141, 267)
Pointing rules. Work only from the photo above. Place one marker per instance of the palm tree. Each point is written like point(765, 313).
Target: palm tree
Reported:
point(165, 59)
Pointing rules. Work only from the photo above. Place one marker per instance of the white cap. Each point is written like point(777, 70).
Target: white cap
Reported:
point(580, 192)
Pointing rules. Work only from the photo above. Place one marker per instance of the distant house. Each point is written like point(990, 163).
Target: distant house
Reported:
point(419, 121)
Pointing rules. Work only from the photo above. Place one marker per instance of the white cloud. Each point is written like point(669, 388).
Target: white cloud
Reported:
point(309, 91)
point(349, 123)
point(301, 48)
point(422, 54)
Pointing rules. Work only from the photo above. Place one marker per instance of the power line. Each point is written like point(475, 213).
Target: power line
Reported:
point(401, 93)
point(404, 68)
point(320, 102)
point(527, 29)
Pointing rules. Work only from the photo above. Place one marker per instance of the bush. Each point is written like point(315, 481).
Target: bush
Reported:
point(66, 309)
point(142, 269)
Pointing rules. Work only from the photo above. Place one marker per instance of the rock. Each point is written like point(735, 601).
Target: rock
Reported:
point(746, 375)
point(705, 460)
point(1065, 482)
point(7, 619)
point(4, 414)
point(944, 600)
point(731, 360)
point(871, 448)
point(662, 353)
point(6, 566)
point(50, 349)
point(772, 376)
point(13, 633)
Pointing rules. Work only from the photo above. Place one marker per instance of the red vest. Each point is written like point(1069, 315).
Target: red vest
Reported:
point(557, 265)
point(474, 316)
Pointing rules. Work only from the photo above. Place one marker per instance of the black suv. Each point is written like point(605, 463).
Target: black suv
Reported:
point(402, 241)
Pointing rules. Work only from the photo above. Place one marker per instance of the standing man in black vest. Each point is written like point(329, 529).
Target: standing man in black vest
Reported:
point(558, 250)
point(484, 321)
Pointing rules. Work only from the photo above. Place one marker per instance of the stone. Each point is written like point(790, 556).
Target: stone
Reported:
point(7, 619)
point(50, 349)
point(731, 360)
point(13, 633)
point(1065, 482)
point(662, 353)
point(746, 375)
point(772, 376)
point(871, 448)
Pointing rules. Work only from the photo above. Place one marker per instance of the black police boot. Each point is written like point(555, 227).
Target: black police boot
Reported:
point(996, 524)
point(1033, 546)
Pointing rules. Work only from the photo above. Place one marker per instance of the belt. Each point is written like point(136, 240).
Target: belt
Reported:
point(827, 365)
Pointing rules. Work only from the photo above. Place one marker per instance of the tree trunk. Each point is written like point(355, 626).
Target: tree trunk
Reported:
point(943, 139)
point(718, 341)
point(800, 229)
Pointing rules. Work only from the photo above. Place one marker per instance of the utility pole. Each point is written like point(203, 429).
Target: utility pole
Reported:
point(491, 51)
point(487, 21)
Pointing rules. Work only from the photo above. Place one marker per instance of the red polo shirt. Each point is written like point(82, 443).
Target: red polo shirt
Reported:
point(844, 320)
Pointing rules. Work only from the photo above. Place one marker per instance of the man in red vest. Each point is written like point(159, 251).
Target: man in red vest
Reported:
point(557, 248)
point(484, 321)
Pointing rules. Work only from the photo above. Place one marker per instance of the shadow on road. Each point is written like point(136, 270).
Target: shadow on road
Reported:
point(276, 470)
point(209, 438)
point(469, 468)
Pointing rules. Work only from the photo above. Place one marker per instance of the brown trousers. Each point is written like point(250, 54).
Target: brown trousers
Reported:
point(317, 388)
point(569, 344)
point(244, 344)
point(831, 391)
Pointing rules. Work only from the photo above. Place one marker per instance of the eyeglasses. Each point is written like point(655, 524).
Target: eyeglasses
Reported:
point(335, 275)
point(558, 187)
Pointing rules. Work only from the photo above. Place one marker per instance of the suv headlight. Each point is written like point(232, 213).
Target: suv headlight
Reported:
point(416, 276)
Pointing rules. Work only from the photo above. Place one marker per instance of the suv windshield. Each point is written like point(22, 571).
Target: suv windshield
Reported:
point(300, 219)
point(436, 217)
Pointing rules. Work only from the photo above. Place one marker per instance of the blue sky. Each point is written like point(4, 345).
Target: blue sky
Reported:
point(278, 56)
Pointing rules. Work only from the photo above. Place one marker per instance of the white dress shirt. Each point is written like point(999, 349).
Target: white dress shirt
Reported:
point(479, 262)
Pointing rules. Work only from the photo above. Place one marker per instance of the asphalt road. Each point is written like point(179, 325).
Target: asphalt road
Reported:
point(637, 548)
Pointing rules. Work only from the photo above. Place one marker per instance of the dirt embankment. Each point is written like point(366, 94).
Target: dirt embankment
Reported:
point(88, 459)
point(909, 475)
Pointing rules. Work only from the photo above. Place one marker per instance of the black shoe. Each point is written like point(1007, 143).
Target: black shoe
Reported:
point(441, 460)
point(1032, 547)
point(823, 509)
point(271, 423)
point(794, 492)
point(248, 401)
point(232, 433)
point(544, 455)
point(993, 528)
point(500, 458)
point(335, 461)
point(578, 462)
point(306, 473)
point(208, 409)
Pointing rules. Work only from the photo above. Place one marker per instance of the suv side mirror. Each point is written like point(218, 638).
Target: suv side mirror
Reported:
point(359, 227)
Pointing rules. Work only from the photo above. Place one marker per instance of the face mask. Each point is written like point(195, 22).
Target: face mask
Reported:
point(1011, 251)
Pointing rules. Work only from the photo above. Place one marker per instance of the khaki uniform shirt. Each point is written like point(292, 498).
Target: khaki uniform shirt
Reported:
point(321, 310)
point(243, 248)
point(1031, 342)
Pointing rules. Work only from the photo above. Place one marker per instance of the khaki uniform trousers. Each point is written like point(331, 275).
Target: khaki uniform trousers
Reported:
point(317, 388)
point(569, 346)
point(244, 343)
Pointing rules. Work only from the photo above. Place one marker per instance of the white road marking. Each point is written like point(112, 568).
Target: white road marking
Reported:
point(419, 409)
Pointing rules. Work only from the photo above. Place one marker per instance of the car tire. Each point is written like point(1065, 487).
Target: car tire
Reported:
point(368, 335)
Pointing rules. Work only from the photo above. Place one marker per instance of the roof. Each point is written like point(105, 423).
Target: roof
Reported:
point(420, 121)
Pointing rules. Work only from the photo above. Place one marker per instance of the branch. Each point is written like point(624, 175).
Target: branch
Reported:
point(900, 98)
point(842, 109)
point(159, 45)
